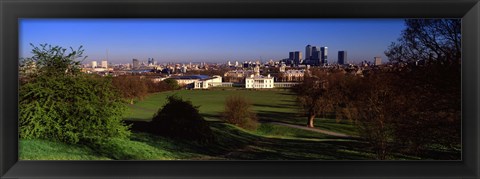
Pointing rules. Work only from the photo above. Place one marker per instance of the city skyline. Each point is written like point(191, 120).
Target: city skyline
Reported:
point(210, 40)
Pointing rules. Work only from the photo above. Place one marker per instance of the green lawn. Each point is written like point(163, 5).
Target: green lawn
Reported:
point(211, 102)
point(270, 105)
point(269, 142)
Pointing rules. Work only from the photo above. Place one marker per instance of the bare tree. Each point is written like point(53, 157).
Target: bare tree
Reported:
point(316, 93)
point(429, 40)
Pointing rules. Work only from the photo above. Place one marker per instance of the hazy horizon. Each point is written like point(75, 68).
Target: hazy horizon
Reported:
point(211, 40)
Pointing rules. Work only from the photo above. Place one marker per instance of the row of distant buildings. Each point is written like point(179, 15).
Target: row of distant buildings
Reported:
point(318, 56)
point(252, 80)
point(314, 56)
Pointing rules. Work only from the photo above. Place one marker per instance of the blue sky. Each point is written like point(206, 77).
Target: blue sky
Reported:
point(211, 40)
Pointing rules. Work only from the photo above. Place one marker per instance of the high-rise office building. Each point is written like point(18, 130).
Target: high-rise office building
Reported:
point(297, 57)
point(377, 61)
point(294, 58)
point(308, 52)
point(315, 58)
point(104, 64)
point(135, 64)
point(342, 57)
point(151, 62)
point(291, 58)
point(94, 64)
point(291, 55)
point(324, 54)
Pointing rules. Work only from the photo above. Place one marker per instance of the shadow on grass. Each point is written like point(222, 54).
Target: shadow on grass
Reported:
point(136, 119)
point(278, 107)
point(233, 143)
point(286, 117)
point(205, 115)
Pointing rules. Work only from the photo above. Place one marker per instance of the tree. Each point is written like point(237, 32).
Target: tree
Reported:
point(428, 40)
point(433, 86)
point(179, 119)
point(130, 87)
point(54, 60)
point(315, 94)
point(238, 111)
point(68, 106)
point(172, 83)
point(376, 106)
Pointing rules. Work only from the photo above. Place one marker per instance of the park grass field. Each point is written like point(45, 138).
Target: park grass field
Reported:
point(270, 105)
point(270, 141)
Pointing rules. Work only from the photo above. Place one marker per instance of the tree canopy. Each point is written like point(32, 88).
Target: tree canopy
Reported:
point(428, 40)
point(59, 103)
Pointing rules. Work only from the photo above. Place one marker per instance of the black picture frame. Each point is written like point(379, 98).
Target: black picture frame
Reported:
point(12, 10)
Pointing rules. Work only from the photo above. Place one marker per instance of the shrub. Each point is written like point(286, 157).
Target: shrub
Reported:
point(70, 109)
point(130, 87)
point(179, 119)
point(238, 111)
point(171, 83)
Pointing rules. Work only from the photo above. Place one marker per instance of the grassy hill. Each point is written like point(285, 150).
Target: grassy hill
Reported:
point(270, 141)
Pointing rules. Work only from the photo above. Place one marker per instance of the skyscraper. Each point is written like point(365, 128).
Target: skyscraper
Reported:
point(377, 61)
point(308, 52)
point(315, 57)
point(104, 64)
point(342, 57)
point(151, 62)
point(297, 57)
point(94, 64)
point(136, 64)
point(324, 54)
point(291, 58)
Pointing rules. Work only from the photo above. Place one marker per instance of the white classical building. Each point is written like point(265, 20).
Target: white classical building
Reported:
point(214, 81)
point(259, 81)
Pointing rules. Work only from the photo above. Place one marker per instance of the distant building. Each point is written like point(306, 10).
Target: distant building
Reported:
point(215, 81)
point(151, 62)
point(259, 82)
point(184, 69)
point(282, 67)
point(94, 64)
point(256, 70)
point(324, 55)
point(316, 56)
point(291, 56)
point(342, 57)
point(104, 64)
point(135, 64)
point(377, 61)
point(292, 75)
point(297, 57)
point(294, 57)
point(308, 52)
point(187, 80)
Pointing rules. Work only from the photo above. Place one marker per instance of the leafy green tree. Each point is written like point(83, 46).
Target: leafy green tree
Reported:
point(179, 119)
point(68, 106)
point(55, 60)
point(173, 84)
